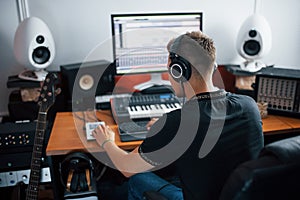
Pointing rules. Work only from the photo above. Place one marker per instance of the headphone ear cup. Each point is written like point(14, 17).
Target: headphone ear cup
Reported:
point(180, 69)
point(83, 181)
point(74, 182)
point(215, 66)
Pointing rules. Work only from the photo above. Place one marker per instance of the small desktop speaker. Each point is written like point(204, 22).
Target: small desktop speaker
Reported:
point(34, 45)
point(83, 81)
point(280, 89)
point(254, 41)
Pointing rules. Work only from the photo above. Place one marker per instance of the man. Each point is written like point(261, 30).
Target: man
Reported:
point(205, 140)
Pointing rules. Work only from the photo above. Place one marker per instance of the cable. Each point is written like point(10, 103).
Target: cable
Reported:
point(83, 119)
point(78, 117)
point(183, 92)
point(102, 173)
point(95, 117)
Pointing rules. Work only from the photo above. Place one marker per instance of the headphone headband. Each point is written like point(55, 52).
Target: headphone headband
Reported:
point(78, 155)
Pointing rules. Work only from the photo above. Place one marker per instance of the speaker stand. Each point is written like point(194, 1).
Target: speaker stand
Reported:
point(252, 66)
point(31, 75)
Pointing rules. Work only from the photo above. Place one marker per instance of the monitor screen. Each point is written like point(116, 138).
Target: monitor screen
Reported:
point(139, 40)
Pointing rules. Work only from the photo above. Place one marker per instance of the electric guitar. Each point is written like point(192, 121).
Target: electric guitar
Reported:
point(46, 100)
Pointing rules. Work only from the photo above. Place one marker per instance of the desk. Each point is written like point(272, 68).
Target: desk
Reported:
point(68, 135)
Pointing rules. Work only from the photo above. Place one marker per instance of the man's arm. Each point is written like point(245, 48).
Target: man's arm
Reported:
point(128, 163)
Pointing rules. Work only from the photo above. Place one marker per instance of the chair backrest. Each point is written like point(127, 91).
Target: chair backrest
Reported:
point(275, 174)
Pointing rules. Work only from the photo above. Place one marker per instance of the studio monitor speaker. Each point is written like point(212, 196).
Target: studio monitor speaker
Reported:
point(34, 46)
point(83, 81)
point(254, 41)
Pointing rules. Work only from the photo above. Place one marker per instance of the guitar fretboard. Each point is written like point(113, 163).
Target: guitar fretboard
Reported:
point(45, 101)
point(36, 160)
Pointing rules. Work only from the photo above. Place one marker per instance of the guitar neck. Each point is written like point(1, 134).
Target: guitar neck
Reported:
point(36, 160)
point(45, 101)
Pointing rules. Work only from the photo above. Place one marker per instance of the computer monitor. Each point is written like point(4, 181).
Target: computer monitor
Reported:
point(140, 39)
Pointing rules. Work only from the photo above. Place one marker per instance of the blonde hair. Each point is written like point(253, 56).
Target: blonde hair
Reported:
point(205, 42)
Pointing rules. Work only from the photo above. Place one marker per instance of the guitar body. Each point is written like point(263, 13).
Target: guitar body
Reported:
point(46, 100)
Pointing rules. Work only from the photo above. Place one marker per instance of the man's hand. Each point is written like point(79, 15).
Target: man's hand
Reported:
point(151, 122)
point(103, 134)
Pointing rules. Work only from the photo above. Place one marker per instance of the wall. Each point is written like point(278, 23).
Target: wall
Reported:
point(78, 26)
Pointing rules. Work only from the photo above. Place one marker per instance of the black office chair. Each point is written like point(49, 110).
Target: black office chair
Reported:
point(275, 174)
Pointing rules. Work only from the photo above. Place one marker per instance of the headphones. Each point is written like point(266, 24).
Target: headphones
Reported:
point(76, 166)
point(179, 68)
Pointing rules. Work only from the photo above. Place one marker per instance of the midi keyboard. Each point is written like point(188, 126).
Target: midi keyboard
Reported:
point(143, 106)
point(132, 113)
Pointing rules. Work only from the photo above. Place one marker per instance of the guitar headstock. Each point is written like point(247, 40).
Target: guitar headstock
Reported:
point(48, 92)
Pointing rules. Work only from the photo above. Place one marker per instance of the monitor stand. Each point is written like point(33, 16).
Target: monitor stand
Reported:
point(155, 80)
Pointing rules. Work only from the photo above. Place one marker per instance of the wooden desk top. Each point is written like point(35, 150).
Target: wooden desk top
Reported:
point(275, 124)
point(68, 132)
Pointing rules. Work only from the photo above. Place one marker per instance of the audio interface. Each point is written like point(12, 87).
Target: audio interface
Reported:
point(280, 89)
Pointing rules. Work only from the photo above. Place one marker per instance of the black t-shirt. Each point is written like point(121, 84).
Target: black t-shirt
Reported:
point(206, 140)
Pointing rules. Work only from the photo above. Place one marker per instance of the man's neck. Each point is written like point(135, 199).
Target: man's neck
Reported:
point(192, 90)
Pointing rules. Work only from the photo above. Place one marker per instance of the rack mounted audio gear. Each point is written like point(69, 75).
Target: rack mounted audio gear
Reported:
point(280, 89)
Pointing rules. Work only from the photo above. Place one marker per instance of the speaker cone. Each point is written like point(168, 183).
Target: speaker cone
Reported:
point(41, 55)
point(86, 82)
point(251, 47)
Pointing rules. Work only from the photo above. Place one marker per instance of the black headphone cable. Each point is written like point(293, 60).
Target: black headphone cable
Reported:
point(183, 92)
